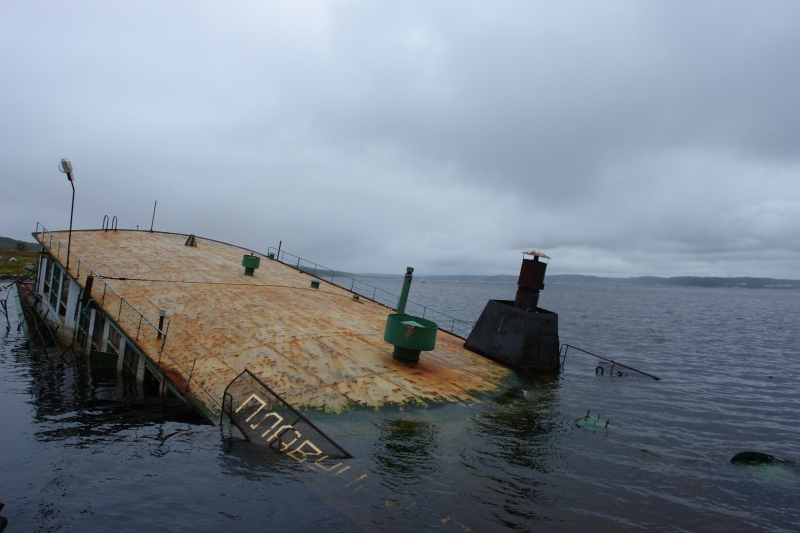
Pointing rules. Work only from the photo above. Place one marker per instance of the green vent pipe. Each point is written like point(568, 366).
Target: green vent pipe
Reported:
point(401, 303)
point(410, 335)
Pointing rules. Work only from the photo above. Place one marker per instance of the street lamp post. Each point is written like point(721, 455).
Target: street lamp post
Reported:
point(66, 167)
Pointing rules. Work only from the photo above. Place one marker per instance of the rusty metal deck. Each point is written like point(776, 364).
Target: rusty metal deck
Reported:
point(315, 347)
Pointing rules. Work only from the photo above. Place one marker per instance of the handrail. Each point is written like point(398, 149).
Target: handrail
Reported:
point(190, 378)
point(614, 363)
point(297, 262)
point(97, 276)
point(120, 313)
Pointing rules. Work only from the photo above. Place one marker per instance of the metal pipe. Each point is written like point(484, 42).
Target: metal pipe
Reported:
point(401, 303)
point(71, 212)
point(161, 314)
point(154, 216)
point(188, 384)
point(164, 340)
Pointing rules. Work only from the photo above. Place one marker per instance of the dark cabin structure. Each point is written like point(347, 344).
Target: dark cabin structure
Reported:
point(519, 333)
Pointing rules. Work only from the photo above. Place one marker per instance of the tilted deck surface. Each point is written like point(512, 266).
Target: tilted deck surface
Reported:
point(314, 347)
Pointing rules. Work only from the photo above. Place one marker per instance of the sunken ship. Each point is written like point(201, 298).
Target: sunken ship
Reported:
point(259, 337)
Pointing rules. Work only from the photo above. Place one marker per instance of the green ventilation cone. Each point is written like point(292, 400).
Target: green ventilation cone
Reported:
point(410, 335)
point(250, 264)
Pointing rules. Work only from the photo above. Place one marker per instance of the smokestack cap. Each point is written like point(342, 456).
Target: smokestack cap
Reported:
point(536, 253)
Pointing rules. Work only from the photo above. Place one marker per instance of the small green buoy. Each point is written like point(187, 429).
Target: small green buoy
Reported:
point(250, 263)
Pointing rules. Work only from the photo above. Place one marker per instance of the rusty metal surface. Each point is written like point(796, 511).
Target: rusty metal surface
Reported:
point(314, 347)
point(531, 274)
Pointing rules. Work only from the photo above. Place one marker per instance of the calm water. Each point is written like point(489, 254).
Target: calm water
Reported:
point(78, 451)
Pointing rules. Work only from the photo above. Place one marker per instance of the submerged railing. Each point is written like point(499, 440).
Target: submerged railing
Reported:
point(458, 327)
point(600, 369)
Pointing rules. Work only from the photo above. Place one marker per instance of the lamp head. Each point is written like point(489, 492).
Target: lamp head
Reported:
point(65, 166)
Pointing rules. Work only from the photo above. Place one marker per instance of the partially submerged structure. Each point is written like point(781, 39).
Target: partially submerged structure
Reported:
point(519, 332)
point(181, 314)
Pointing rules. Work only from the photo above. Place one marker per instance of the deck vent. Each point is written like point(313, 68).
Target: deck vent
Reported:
point(250, 263)
point(191, 241)
point(315, 284)
point(410, 335)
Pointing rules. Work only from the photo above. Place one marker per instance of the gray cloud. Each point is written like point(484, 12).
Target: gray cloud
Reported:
point(625, 138)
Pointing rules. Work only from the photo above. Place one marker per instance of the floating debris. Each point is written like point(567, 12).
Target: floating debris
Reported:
point(594, 423)
point(754, 458)
point(767, 467)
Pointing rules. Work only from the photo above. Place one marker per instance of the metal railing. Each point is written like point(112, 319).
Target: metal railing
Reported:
point(565, 348)
point(458, 327)
point(109, 299)
point(112, 301)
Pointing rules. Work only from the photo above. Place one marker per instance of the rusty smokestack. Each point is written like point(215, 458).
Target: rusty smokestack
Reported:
point(531, 280)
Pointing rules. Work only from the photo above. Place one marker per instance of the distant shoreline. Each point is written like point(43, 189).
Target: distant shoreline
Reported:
point(646, 281)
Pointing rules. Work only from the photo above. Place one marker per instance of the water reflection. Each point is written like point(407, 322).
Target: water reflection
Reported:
point(509, 461)
point(521, 424)
point(78, 402)
point(405, 453)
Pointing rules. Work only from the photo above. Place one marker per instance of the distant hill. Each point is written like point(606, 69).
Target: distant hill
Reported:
point(456, 277)
point(686, 281)
point(651, 281)
point(501, 278)
point(8, 243)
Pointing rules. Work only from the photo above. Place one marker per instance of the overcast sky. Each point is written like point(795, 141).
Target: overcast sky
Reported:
point(622, 138)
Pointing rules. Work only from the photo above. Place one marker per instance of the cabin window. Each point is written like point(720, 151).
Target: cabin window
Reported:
point(54, 285)
point(131, 358)
point(97, 332)
point(47, 273)
point(114, 338)
point(62, 306)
